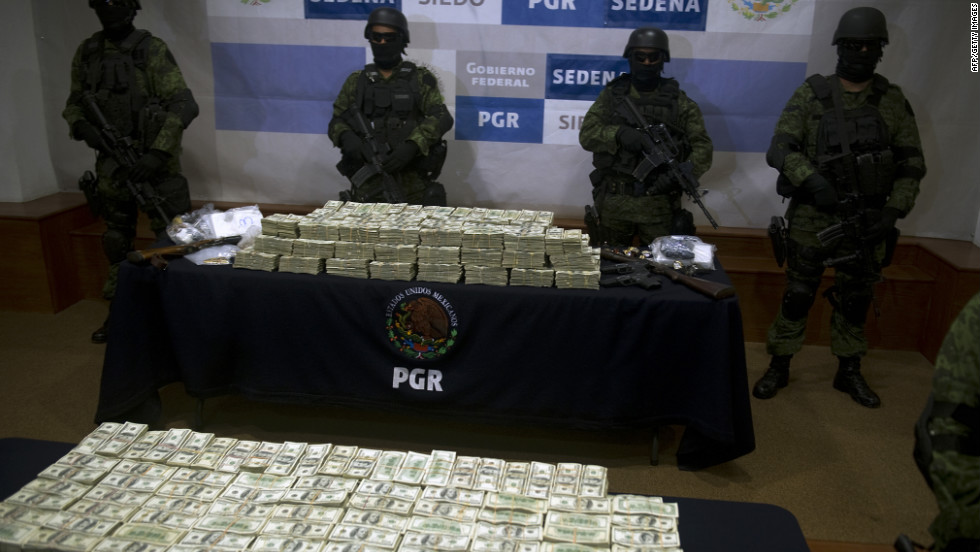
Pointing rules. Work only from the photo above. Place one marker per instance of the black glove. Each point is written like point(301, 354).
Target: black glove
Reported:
point(821, 190)
point(664, 185)
point(630, 139)
point(351, 146)
point(403, 155)
point(880, 230)
point(148, 165)
point(86, 131)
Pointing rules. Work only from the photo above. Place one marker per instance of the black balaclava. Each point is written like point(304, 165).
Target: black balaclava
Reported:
point(388, 54)
point(645, 77)
point(117, 21)
point(856, 65)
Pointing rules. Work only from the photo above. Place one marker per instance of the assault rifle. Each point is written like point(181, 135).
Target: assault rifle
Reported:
point(122, 151)
point(663, 152)
point(156, 255)
point(855, 223)
point(711, 289)
point(628, 274)
point(374, 152)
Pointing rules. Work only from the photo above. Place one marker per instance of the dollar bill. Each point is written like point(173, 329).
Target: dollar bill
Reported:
point(515, 502)
point(580, 504)
point(147, 533)
point(195, 444)
point(241, 509)
point(642, 538)
point(314, 496)
point(375, 518)
point(576, 535)
point(230, 524)
point(288, 458)
point(511, 516)
point(264, 481)
point(164, 518)
point(448, 510)
point(338, 459)
point(388, 488)
point(440, 468)
point(62, 540)
point(142, 445)
point(368, 535)
point(91, 442)
point(232, 460)
point(494, 531)
point(114, 544)
point(80, 523)
point(326, 482)
point(311, 459)
point(413, 468)
point(645, 521)
point(143, 469)
point(210, 478)
point(211, 456)
point(37, 499)
point(14, 513)
point(268, 543)
point(463, 475)
point(454, 495)
point(193, 491)
point(179, 505)
point(580, 520)
point(76, 474)
point(515, 477)
point(381, 503)
point(306, 512)
point(636, 504)
point(216, 540)
point(571, 547)
point(501, 545)
point(414, 540)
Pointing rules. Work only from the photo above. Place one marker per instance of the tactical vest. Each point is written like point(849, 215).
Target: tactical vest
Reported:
point(871, 171)
point(112, 76)
point(392, 106)
point(662, 106)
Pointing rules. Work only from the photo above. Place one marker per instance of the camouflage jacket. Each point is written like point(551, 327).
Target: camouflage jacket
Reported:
point(955, 474)
point(157, 88)
point(796, 136)
point(601, 124)
point(434, 120)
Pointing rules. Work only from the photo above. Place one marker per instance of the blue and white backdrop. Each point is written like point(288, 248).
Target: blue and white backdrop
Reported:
point(518, 76)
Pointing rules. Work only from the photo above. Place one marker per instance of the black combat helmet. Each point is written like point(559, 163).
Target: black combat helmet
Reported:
point(863, 23)
point(134, 4)
point(648, 37)
point(389, 17)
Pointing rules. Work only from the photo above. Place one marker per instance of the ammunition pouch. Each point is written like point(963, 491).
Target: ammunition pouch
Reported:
point(89, 185)
point(777, 235)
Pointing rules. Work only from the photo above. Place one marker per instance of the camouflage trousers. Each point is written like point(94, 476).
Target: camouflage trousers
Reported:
point(852, 291)
point(624, 216)
point(120, 210)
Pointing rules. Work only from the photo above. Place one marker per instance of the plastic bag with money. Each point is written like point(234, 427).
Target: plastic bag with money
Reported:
point(687, 253)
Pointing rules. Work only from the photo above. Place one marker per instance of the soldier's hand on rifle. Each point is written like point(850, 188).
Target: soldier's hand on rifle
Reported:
point(86, 131)
point(148, 165)
point(823, 192)
point(351, 145)
point(403, 155)
point(878, 231)
point(630, 139)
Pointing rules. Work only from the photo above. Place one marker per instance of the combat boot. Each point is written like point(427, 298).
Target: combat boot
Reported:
point(775, 378)
point(850, 380)
point(101, 335)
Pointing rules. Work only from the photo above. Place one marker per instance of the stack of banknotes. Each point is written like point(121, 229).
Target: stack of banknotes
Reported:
point(125, 487)
point(448, 244)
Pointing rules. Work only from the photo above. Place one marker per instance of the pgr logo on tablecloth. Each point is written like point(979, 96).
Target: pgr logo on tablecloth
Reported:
point(421, 324)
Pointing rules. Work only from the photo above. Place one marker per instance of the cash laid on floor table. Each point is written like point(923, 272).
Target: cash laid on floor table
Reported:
point(497, 247)
point(125, 487)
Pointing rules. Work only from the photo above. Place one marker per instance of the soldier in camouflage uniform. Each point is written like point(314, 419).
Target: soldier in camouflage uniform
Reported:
point(865, 171)
point(948, 435)
point(405, 115)
point(141, 92)
point(651, 208)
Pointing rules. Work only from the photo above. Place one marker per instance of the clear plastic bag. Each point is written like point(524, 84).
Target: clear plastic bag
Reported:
point(209, 223)
point(686, 253)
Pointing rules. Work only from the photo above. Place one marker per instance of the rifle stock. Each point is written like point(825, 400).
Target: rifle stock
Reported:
point(144, 255)
point(708, 288)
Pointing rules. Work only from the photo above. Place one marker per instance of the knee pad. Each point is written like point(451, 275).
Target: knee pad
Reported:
point(797, 300)
point(116, 245)
point(854, 306)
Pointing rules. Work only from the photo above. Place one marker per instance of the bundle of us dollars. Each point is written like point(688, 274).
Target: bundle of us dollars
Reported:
point(395, 253)
point(437, 272)
point(281, 225)
point(323, 249)
point(383, 270)
point(274, 245)
point(352, 268)
point(532, 277)
point(486, 275)
point(251, 259)
point(577, 279)
point(301, 265)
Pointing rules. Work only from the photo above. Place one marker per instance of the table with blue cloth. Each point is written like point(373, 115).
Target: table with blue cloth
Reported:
point(585, 359)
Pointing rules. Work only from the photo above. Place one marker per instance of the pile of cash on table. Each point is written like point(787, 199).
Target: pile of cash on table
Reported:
point(125, 487)
point(426, 243)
